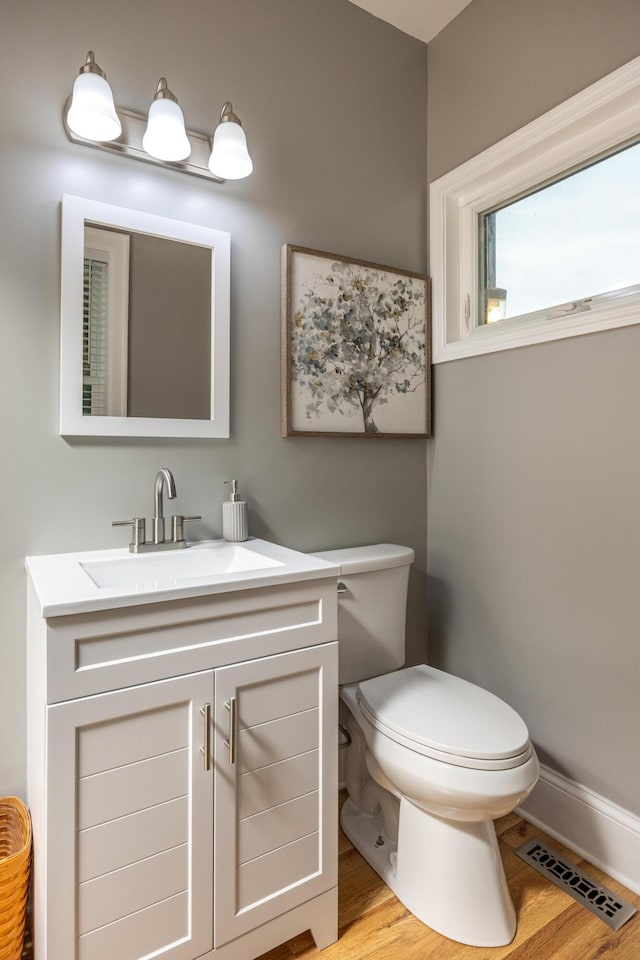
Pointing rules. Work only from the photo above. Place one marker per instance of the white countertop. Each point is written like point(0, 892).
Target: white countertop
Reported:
point(63, 586)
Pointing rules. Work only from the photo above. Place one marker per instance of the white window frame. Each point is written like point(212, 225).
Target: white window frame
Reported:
point(591, 124)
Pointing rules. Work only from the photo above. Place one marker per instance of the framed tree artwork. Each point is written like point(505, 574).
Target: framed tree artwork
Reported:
point(355, 347)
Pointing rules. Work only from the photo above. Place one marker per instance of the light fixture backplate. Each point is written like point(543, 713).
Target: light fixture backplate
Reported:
point(129, 144)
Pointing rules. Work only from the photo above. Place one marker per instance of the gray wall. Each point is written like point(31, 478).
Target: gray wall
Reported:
point(534, 470)
point(334, 104)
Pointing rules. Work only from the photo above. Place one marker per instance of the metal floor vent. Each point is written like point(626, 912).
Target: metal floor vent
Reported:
point(601, 901)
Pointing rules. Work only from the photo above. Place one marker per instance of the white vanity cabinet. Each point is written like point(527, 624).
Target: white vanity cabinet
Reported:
point(183, 775)
point(274, 823)
point(129, 833)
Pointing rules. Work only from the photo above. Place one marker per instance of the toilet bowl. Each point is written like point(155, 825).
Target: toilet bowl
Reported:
point(433, 761)
point(442, 855)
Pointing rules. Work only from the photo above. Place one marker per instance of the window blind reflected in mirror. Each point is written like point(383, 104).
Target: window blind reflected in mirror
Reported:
point(94, 337)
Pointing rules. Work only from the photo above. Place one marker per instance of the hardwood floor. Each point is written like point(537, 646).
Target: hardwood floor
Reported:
point(551, 925)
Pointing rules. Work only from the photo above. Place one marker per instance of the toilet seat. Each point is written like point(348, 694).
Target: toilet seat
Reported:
point(446, 718)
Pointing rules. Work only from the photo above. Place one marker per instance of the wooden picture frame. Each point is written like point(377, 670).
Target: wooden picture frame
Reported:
point(356, 348)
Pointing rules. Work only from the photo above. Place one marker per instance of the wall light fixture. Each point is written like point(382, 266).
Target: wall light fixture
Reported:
point(165, 137)
point(91, 118)
point(496, 304)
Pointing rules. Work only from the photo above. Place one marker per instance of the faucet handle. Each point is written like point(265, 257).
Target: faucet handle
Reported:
point(138, 533)
point(177, 526)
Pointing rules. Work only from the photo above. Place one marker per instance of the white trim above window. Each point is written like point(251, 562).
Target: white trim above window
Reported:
point(591, 124)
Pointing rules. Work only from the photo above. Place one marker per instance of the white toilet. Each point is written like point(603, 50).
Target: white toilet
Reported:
point(433, 761)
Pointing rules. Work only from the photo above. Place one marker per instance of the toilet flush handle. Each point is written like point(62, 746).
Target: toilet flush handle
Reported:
point(342, 588)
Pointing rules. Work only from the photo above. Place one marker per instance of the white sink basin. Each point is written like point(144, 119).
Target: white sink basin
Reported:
point(165, 569)
point(67, 583)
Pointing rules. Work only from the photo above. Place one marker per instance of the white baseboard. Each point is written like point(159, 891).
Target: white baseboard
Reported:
point(595, 828)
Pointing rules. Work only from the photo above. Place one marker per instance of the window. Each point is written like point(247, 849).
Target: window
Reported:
point(566, 244)
point(539, 237)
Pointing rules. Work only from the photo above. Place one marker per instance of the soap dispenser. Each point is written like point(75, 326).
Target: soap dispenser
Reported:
point(235, 521)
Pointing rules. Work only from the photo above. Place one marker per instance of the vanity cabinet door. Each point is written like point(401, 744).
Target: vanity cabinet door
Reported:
point(129, 824)
point(275, 787)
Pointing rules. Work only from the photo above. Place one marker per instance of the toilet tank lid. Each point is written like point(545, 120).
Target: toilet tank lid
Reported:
point(378, 556)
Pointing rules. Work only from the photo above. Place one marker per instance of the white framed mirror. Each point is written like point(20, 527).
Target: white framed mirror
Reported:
point(144, 334)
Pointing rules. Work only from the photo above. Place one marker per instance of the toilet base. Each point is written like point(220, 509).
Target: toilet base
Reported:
point(368, 835)
point(448, 874)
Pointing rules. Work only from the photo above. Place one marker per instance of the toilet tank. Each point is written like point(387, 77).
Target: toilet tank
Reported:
point(372, 608)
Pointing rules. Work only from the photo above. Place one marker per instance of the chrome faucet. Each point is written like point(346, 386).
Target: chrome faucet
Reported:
point(164, 478)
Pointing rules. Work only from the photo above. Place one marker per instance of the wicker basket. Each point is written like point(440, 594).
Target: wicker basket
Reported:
point(15, 868)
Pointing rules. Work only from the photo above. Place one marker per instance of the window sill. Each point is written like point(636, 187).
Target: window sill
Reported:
point(525, 331)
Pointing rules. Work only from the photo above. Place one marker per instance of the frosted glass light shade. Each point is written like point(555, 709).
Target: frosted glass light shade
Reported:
point(230, 158)
point(496, 304)
point(92, 114)
point(165, 137)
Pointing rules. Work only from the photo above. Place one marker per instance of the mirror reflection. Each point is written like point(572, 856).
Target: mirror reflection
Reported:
point(146, 326)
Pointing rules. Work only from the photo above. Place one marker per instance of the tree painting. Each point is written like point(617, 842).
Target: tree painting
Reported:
point(358, 341)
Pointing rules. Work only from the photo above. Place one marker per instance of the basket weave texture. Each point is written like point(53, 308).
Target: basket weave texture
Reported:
point(15, 869)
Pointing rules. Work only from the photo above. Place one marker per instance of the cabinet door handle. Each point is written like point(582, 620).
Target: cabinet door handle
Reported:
point(230, 705)
point(205, 711)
